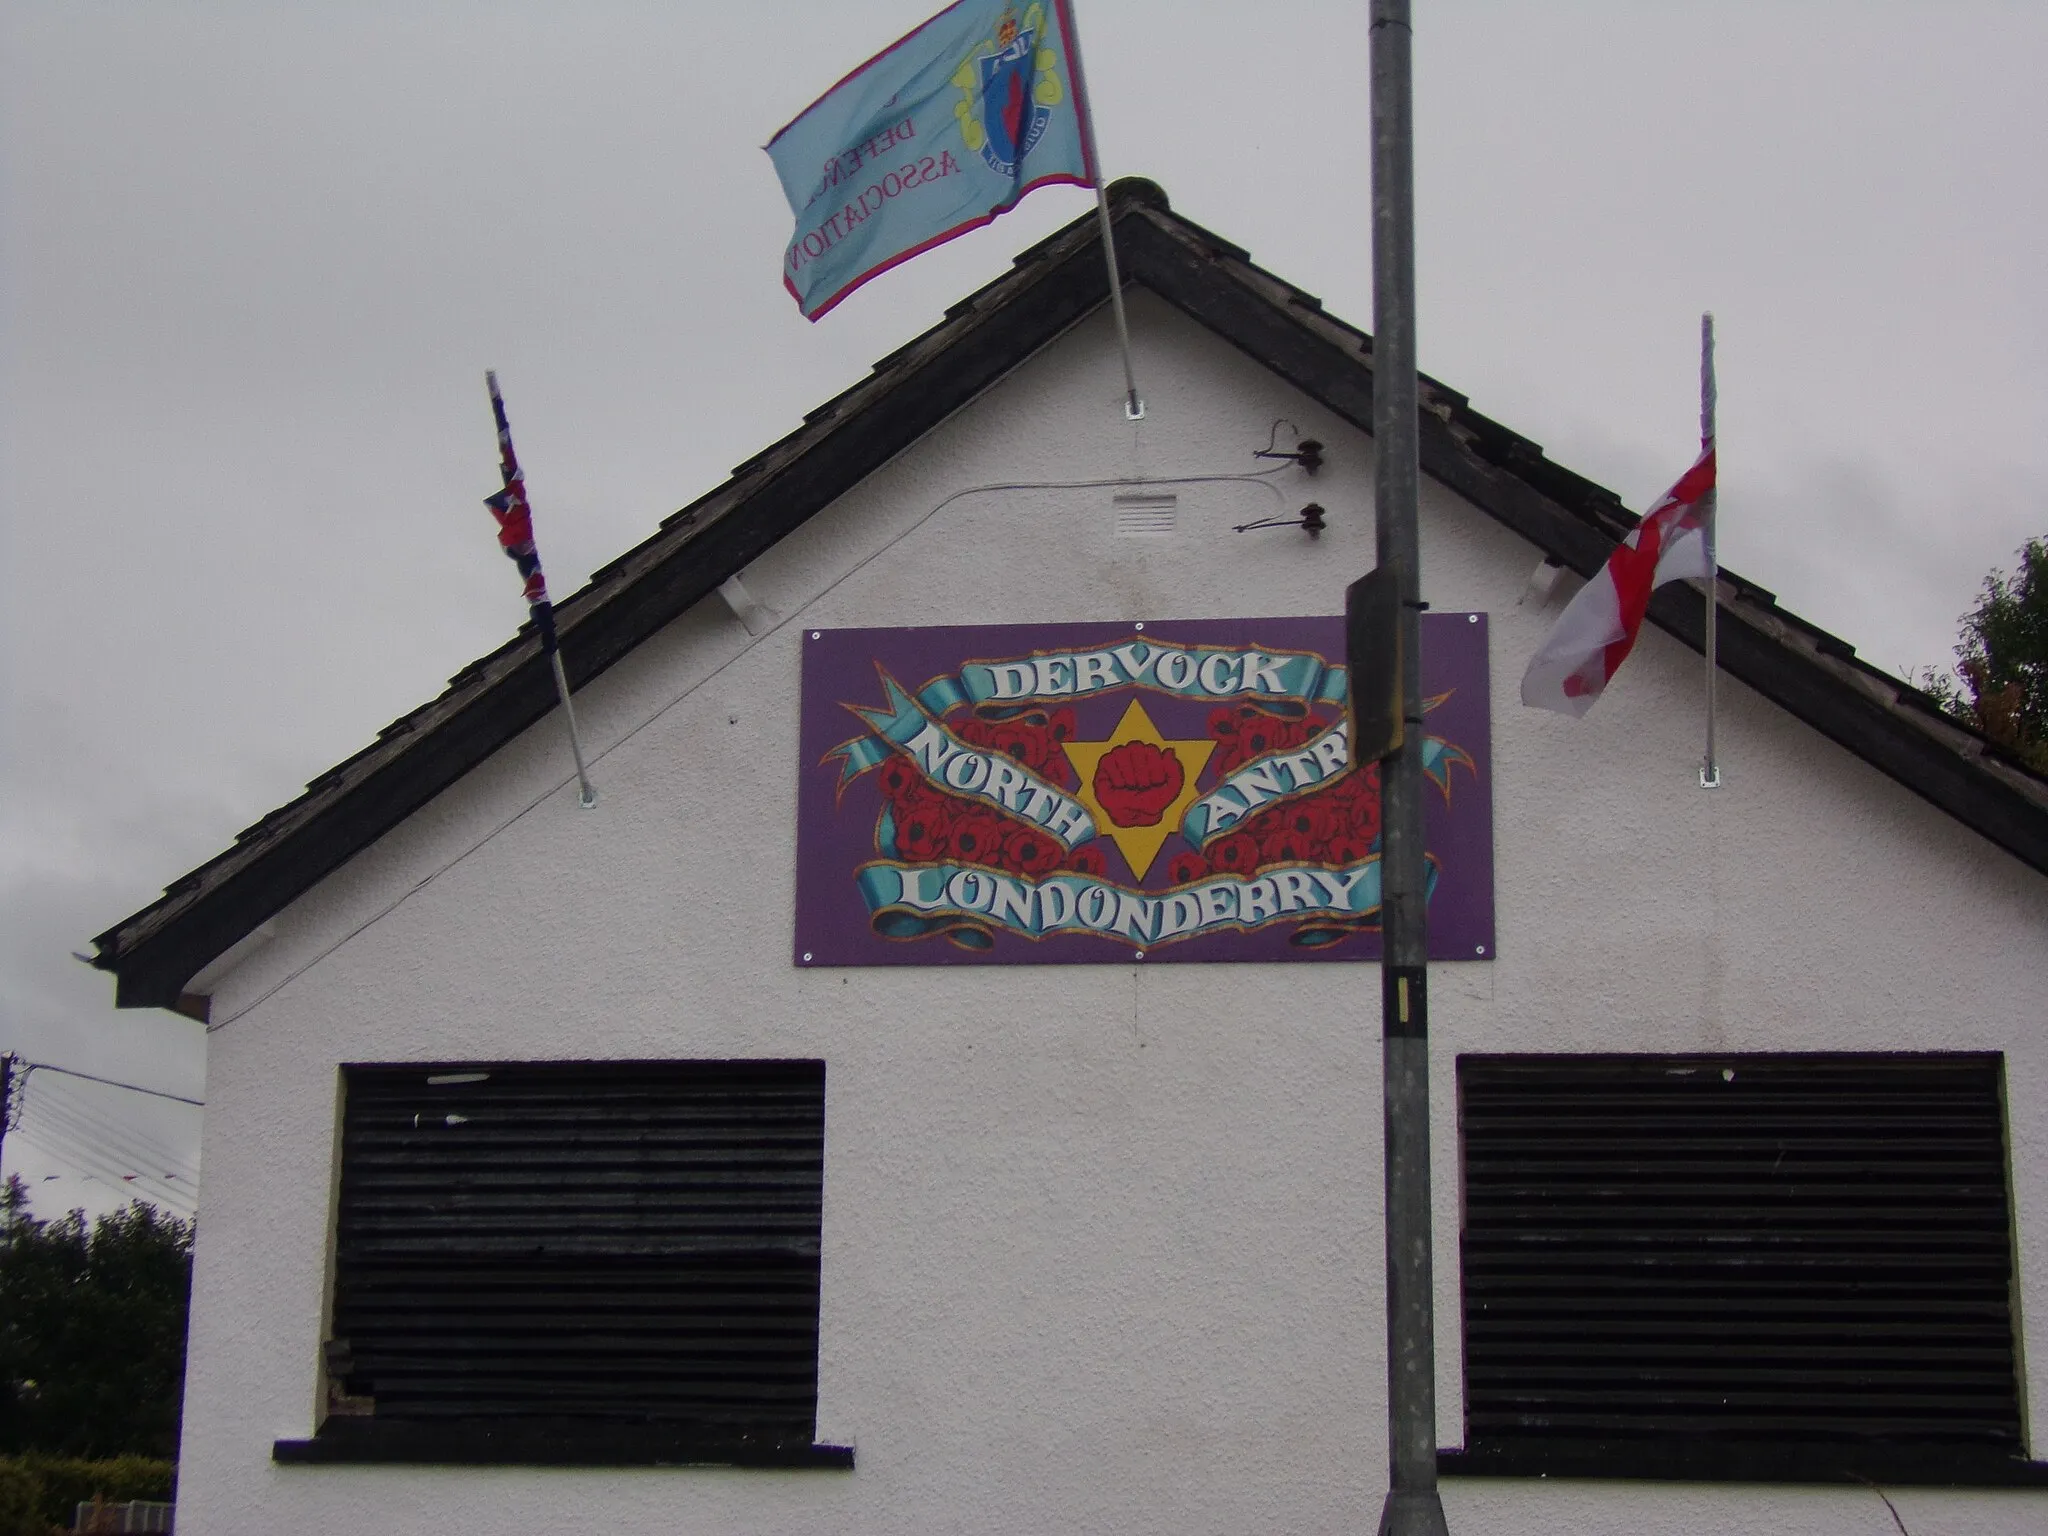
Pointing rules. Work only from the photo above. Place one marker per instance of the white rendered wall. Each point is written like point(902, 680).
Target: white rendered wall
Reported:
point(1101, 1243)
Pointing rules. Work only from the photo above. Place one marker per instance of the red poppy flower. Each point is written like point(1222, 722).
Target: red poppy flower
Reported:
point(1260, 736)
point(1223, 723)
point(1256, 733)
point(898, 777)
point(1019, 741)
point(1359, 813)
point(1286, 846)
point(977, 839)
point(1234, 854)
point(1311, 820)
point(923, 833)
point(1355, 788)
point(1059, 726)
point(1029, 853)
point(1084, 860)
point(1186, 868)
point(1348, 846)
point(928, 797)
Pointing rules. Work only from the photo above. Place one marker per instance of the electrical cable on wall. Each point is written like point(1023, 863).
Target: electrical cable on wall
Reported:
point(1307, 452)
point(1260, 478)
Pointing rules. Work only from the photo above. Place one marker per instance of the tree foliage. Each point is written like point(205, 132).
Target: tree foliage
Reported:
point(2002, 660)
point(39, 1493)
point(92, 1329)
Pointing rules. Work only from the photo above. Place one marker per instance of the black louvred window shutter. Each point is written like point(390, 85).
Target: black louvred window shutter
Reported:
point(622, 1241)
point(1697, 1265)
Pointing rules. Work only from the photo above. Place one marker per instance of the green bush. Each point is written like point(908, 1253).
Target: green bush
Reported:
point(59, 1484)
point(21, 1496)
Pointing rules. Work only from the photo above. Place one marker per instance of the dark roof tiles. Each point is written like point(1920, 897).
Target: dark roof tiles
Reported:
point(1053, 285)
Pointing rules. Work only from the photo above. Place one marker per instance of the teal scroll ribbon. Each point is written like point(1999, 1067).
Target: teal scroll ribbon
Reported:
point(967, 904)
point(893, 727)
point(946, 761)
point(1275, 779)
point(1319, 932)
point(1282, 777)
point(1220, 674)
point(1286, 682)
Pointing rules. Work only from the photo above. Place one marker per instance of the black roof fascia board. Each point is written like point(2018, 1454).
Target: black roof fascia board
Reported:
point(155, 952)
point(1052, 286)
point(1802, 668)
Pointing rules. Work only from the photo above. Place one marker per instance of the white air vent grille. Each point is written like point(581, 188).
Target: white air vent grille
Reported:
point(1145, 516)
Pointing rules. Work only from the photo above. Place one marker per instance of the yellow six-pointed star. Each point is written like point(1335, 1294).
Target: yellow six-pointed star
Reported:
point(1137, 797)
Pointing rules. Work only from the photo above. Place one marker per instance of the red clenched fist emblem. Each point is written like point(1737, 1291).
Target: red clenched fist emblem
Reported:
point(1136, 782)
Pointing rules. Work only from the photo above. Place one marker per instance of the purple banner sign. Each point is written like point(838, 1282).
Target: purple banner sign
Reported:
point(1110, 793)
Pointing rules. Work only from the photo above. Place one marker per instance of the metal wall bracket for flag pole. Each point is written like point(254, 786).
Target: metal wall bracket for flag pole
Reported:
point(1134, 405)
point(1710, 766)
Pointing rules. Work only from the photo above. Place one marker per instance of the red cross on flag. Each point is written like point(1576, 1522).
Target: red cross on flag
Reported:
point(1598, 627)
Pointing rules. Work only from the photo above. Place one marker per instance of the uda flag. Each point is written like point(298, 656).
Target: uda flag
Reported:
point(1598, 627)
point(932, 137)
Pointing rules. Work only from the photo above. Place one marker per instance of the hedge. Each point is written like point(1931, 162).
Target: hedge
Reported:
point(38, 1491)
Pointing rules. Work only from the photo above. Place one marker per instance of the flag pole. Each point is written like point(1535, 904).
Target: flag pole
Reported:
point(1710, 768)
point(587, 796)
point(515, 533)
point(1134, 407)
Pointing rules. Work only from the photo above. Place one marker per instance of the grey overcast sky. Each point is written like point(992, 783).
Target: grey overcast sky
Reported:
point(254, 258)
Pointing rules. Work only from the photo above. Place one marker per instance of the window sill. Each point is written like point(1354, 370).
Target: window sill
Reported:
point(1716, 1461)
point(342, 1442)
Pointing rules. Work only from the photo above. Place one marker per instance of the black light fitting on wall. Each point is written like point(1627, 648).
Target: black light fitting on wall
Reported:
point(1310, 517)
point(1308, 453)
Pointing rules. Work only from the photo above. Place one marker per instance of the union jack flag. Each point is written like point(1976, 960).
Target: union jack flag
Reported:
point(515, 525)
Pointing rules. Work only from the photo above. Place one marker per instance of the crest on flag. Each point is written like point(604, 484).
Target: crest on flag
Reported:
point(1008, 92)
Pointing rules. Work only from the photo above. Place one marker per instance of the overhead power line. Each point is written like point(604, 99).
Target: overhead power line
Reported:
point(27, 1066)
point(142, 1151)
point(97, 1168)
point(75, 1133)
point(128, 1142)
point(123, 1158)
point(128, 1186)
